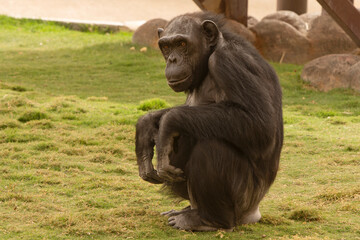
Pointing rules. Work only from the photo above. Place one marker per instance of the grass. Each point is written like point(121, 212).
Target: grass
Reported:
point(153, 104)
point(68, 169)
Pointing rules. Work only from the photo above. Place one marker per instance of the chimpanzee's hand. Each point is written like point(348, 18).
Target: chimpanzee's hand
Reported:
point(148, 173)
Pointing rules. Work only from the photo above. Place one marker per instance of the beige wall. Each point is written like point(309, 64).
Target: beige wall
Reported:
point(123, 10)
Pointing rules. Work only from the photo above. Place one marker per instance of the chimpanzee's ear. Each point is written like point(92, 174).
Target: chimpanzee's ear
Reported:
point(211, 31)
point(160, 30)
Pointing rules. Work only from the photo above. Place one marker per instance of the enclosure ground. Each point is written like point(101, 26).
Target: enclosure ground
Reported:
point(68, 104)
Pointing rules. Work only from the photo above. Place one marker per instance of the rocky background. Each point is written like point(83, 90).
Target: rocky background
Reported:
point(287, 37)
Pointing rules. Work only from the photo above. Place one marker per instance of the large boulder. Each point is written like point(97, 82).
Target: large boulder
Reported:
point(327, 37)
point(280, 41)
point(356, 52)
point(240, 29)
point(308, 19)
point(287, 37)
point(289, 17)
point(147, 34)
point(333, 71)
point(353, 76)
point(252, 21)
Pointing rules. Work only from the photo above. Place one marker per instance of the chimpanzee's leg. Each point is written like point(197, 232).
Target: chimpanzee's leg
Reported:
point(220, 188)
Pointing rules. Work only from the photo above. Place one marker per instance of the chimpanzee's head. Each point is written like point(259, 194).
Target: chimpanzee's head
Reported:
point(187, 44)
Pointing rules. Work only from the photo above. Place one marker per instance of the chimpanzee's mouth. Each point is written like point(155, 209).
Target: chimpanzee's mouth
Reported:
point(173, 82)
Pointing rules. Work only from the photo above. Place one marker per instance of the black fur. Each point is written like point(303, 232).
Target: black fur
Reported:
point(228, 136)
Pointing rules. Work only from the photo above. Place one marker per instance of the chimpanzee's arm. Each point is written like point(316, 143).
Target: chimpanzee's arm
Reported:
point(228, 122)
point(147, 129)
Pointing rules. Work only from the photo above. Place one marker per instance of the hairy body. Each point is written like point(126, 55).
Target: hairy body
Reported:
point(221, 149)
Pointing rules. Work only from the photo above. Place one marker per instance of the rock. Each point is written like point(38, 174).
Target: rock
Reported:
point(289, 17)
point(281, 42)
point(333, 71)
point(353, 76)
point(240, 29)
point(308, 18)
point(252, 21)
point(299, 39)
point(328, 38)
point(356, 52)
point(147, 34)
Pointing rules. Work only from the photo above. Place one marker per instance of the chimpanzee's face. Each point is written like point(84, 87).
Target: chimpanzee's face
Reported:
point(185, 47)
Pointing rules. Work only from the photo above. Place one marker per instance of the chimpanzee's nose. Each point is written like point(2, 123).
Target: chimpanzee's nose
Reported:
point(172, 58)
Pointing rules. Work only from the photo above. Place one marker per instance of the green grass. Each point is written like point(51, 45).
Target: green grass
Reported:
point(153, 104)
point(68, 170)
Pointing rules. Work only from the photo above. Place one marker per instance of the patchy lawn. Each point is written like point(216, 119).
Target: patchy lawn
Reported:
point(68, 104)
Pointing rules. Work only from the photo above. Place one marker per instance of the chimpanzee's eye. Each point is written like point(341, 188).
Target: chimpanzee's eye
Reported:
point(183, 44)
point(165, 49)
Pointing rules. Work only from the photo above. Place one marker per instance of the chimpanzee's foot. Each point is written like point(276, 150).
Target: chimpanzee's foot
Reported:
point(173, 212)
point(191, 221)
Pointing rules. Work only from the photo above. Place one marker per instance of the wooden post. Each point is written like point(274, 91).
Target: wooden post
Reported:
point(233, 9)
point(298, 6)
point(346, 15)
point(199, 4)
point(237, 10)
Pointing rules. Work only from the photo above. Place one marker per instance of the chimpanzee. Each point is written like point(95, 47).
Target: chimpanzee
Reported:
point(221, 149)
